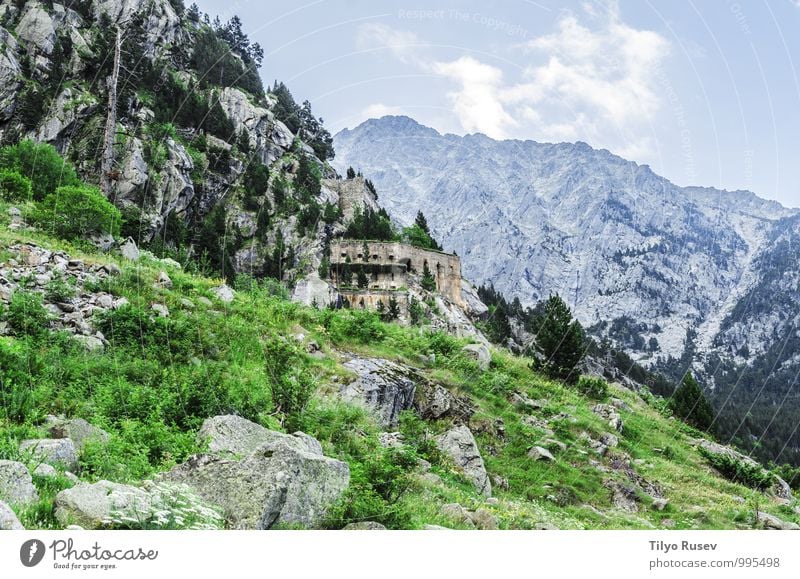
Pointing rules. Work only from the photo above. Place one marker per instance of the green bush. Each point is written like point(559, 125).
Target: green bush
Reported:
point(40, 163)
point(747, 474)
point(292, 384)
point(593, 387)
point(76, 212)
point(360, 326)
point(58, 290)
point(14, 187)
point(26, 315)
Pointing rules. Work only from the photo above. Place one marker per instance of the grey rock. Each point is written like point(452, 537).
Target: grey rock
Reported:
point(10, 73)
point(16, 484)
point(224, 293)
point(435, 528)
point(391, 439)
point(364, 526)
point(204, 301)
point(385, 387)
point(36, 28)
point(8, 519)
point(45, 469)
point(609, 440)
point(458, 514)
point(459, 444)
point(188, 304)
point(432, 401)
point(623, 496)
point(91, 505)
point(163, 280)
point(90, 343)
point(609, 413)
point(313, 290)
point(161, 310)
point(480, 353)
point(773, 523)
point(660, 504)
point(129, 250)
point(54, 451)
point(545, 527)
point(281, 483)
point(539, 453)
point(781, 489)
point(236, 437)
point(77, 430)
point(484, 520)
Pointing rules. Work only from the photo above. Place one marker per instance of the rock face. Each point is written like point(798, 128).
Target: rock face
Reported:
point(286, 481)
point(54, 451)
point(385, 387)
point(459, 444)
point(16, 484)
point(8, 519)
point(90, 505)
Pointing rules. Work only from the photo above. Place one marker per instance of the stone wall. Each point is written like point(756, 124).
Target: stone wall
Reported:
point(368, 299)
point(388, 264)
point(352, 194)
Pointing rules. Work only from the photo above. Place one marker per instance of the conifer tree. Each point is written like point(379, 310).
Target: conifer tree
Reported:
point(690, 404)
point(560, 342)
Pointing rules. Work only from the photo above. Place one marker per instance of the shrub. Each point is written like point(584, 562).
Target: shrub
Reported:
point(593, 387)
point(40, 163)
point(292, 385)
point(75, 212)
point(58, 290)
point(14, 187)
point(752, 475)
point(26, 315)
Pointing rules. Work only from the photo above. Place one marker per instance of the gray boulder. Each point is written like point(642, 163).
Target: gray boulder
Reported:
point(313, 290)
point(459, 444)
point(238, 437)
point(224, 293)
point(610, 414)
point(383, 386)
point(53, 451)
point(8, 519)
point(129, 250)
point(16, 484)
point(539, 453)
point(282, 483)
point(364, 526)
point(432, 401)
point(76, 429)
point(91, 505)
point(480, 353)
point(773, 523)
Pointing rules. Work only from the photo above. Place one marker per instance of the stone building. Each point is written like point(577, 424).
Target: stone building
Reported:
point(389, 268)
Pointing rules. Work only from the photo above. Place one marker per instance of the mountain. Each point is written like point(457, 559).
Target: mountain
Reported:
point(679, 277)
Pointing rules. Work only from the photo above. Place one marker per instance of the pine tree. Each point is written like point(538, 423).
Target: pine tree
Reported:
point(428, 282)
point(351, 173)
point(690, 404)
point(394, 309)
point(560, 342)
point(362, 280)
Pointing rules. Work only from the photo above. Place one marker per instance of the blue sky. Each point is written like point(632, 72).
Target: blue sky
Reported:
point(706, 93)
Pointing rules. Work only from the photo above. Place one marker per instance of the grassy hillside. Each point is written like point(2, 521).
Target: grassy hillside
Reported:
point(160, 377)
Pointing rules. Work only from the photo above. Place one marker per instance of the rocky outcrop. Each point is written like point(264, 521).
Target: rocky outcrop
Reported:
point(383, 386)
point(609, 413)
point(93, 505)
point(54, 451)
point(480, 353)
point(16, 484)
point(8, 519)
point(773, 523)
point(36, 28)
point(235, 436)
point(69, 107)
point(162, 25)
point(9, 74)
point(284, 482)
point(311, 290)
point(459, 444)
point(432, 401)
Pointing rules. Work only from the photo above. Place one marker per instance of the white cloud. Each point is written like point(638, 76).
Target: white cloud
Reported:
point(403, 44)
point(475, 102)
point(596, 82)
point(378, 110)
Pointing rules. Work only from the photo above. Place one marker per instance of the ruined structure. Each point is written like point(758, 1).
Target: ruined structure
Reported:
point(389, 268)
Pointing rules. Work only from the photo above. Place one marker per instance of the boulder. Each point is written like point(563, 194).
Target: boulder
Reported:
point(92, 505)
point(364, 526)
point(472, 302)
point(163, 280)
point(129, 250)
point(161, 310)
point(385, 387)
point(610, 414)
point(90, 343)
point(282, 483)
point(36, 29)
point(459, 444)
point(224, 293)
point(457, 514)
point(432, 401)
point(76, 429)
point(8, 519)
point(53, 451)
point(480, 353)
point(609, 440)
point(45, 470)
point(313, 290)
point(483, 520)
point(623, 496)
point(781, 489)
point(773, 523)
point(16, 484)
point(539, 453)
point(235, 436)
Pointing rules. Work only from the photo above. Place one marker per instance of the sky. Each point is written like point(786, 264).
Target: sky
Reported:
point(706, 93)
